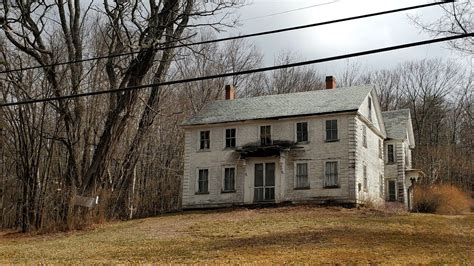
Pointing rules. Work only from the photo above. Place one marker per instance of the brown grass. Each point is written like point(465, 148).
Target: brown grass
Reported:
point(280, 235)
point(441, 199)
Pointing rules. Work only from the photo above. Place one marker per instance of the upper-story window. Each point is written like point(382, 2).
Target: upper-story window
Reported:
point(204, 141)
point(230, 138)
point(302, 132)
point(331, 130)
point(265, 135)
point(390, 153)
point(370, 109)
point(364, 136)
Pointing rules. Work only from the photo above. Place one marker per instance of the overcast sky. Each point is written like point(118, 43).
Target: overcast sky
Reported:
point(341, 38)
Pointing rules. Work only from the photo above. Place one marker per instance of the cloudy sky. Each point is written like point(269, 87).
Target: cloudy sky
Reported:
point(341, 38)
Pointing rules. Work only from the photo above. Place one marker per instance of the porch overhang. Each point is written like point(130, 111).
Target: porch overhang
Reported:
point(414, 174)
point(275, 149)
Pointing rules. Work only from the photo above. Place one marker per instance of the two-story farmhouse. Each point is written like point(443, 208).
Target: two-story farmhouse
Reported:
point(332, 145)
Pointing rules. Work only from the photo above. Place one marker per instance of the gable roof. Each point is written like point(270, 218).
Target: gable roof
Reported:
point(398, 124)
point(281, 105)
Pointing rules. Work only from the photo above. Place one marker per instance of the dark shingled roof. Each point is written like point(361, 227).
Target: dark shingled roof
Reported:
point(396, 123)
point(281, 105)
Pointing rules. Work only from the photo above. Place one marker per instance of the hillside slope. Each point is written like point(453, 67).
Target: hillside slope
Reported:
point(275, 235)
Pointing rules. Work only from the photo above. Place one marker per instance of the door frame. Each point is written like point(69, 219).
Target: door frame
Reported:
point(264, 187)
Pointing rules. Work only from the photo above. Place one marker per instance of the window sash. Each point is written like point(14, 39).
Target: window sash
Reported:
point(203, 181)
point(364, 170)
point(302, 175)
point(331, 174)
point(265, 135)
point(331, 129)
point(229, 179)
point(204, 140)
point(230, 138)
point(301, 132)
point(364, 136)
point(390, 156)
point(370, 109)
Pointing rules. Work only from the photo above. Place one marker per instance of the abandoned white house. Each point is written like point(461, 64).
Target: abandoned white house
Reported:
point(332, 145)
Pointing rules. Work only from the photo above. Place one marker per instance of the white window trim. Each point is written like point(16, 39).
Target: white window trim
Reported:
point(295, 132)
point(338, 173)
point(196, 183)
point(224, 134)
point(223, 177)
point(199, 139)
point(365, 143)
point(295, 173)
point(259, 141)
point(394, 154)
point(325, 133)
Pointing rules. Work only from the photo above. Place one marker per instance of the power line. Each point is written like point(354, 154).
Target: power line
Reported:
point(236, 37)
point(245, 72)
point(291, 10)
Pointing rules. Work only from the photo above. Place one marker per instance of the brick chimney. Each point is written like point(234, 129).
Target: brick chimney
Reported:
point(330, 82)
point(229, 92)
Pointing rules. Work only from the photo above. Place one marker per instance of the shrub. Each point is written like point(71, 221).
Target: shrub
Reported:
point(440, 199)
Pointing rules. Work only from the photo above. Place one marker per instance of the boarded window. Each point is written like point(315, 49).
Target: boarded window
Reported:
point(302, 175)
point(229, 179)
point(331, 178)
point(390, 153)
point(205, 140)
point(331, 130)
point(364, 136)
point(230, 138)
point(302, 132)
point(265, 135)
point(203, 181)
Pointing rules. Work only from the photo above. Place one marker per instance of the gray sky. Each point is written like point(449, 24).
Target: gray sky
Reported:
point(341, 38)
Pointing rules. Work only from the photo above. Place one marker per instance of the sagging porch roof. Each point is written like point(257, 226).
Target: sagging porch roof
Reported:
point(258, 150)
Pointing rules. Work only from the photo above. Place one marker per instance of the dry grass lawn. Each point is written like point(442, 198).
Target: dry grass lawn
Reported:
point(274, 235)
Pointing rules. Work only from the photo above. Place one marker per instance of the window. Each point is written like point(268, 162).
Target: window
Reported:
point(380, 149)
point(301, 132)
point(364, 169)
point(331, 175)
point(203, 181)
point(204, 140)
point(381, 186)
point(229, 179)
point(392, 190)
point(265, 135)
point(302, 175)
point(230, 138)
point(331, 130)
point(370, 109)
point(390, 154)
point(364, 136)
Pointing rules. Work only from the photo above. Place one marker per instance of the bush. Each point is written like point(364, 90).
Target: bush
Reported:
point(440, 199)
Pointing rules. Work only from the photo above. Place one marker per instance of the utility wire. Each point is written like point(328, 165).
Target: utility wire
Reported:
point(236, 37)
point(291, 10)
point(245, 72)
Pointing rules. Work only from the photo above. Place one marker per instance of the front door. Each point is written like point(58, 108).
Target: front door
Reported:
point(264, 182)
point(392, 196)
